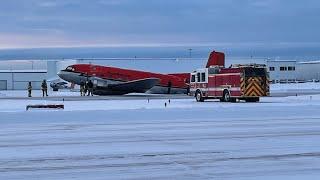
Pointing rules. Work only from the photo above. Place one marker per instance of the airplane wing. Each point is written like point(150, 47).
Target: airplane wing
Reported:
point(136, 86)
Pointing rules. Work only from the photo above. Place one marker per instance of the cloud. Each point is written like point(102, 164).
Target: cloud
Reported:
point(163, 22)
point(112, 2)
point(47, 4)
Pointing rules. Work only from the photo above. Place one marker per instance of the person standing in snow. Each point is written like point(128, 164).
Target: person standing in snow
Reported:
point(90, 88)
point(82, 92)
point(85, 88)
point(29, 87)
point(44, 88)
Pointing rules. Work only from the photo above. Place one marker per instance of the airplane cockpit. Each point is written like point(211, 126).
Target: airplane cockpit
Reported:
point(70, 69)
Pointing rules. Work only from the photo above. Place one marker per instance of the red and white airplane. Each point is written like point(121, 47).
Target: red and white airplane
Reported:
point(117, 81)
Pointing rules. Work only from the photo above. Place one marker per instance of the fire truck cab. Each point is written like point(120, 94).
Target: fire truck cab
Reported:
point(238, 82)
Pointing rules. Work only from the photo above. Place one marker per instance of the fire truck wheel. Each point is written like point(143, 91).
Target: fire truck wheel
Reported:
point(199, 97)
point(226, 96)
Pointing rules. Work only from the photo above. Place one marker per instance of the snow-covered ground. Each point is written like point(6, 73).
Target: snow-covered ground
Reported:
point(36, 93)
point(275, 90)
point(133, 139)
point(294, 89)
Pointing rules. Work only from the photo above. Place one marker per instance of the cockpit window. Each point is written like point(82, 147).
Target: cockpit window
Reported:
point(69, 68)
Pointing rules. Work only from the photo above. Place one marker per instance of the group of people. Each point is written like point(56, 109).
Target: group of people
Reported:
point(44, 88)
point(86, 88)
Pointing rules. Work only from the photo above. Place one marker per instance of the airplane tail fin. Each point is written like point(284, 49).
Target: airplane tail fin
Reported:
point(216, 59)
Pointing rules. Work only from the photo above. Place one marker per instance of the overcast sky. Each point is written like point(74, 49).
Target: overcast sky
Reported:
point(46, 23)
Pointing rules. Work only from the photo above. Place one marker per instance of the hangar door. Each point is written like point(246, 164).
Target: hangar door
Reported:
point(3, 85)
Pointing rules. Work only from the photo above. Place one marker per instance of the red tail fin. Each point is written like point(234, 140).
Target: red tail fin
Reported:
point(216, 59)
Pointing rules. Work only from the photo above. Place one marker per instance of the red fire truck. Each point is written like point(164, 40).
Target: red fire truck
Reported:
point(237, 82)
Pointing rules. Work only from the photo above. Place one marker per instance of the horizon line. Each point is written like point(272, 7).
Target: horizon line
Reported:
point(188, 45)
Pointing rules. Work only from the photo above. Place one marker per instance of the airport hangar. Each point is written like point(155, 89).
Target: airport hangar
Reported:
point(15, 74)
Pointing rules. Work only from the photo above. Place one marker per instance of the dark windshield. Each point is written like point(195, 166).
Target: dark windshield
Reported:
point(251, 72)
point(69, 68)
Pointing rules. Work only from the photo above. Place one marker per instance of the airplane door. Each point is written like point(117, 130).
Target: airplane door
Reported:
point(95, 83)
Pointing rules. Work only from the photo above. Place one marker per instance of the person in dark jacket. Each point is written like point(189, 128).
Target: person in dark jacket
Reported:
point(82, 92)
point(44, 88)
point(85, 88)
point(29, 87)
point(90, 88)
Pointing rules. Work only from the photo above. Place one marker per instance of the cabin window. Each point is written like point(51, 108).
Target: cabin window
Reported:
point(203, 77)
point(198, 77)
point(283, 68)
point(214, 70)
point(271, 68)
point(291, 68)
point(193, 78)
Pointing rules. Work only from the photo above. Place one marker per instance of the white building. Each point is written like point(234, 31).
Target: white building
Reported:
point(282, 71)
point(308, 70)
point(15, 75)
point(286, 71)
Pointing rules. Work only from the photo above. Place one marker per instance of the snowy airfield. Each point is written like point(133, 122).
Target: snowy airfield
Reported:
point(136, 139)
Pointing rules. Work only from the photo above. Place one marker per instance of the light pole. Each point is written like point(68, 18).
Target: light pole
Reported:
point(190, 53)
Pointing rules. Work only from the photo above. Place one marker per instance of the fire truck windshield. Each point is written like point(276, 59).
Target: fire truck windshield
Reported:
point(253, 72)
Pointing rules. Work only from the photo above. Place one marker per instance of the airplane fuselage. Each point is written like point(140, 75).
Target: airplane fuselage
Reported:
point(112, 80)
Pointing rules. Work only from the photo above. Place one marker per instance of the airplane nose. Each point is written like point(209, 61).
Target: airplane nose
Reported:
point(59, 74)
point(62, 75)
point(69, 76)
